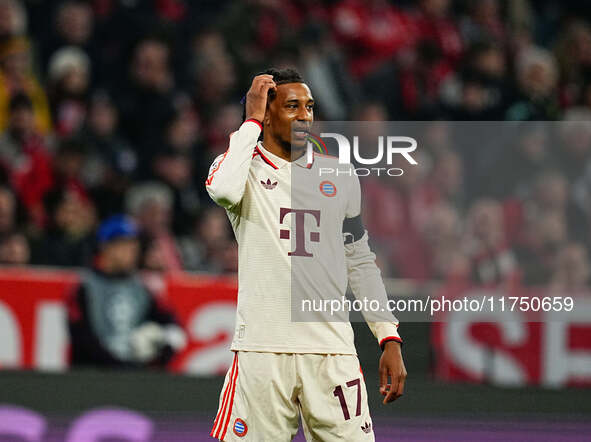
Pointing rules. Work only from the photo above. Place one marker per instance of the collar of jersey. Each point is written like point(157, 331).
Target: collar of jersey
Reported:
point(277, 162)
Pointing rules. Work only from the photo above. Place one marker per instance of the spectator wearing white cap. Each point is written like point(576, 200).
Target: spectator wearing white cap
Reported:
point(68, 81)
point(150, 204)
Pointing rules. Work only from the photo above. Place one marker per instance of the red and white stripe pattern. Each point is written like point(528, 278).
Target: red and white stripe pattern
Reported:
point(254, 120)
point(214, 168)
point(222, 420)
point(264, 157)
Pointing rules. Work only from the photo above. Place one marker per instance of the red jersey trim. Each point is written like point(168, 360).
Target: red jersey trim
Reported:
point(265, 159)
point(255, 121)
point(388, 339)
point(210, 177)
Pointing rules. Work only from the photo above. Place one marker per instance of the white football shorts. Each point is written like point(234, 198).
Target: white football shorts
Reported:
point(265, 394)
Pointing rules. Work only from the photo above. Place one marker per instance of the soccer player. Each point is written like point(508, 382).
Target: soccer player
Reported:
point(283, 368)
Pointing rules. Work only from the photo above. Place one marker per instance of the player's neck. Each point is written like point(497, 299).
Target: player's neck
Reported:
point(281, 151)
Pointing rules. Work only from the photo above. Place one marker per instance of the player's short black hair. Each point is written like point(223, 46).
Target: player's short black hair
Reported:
point(280, 76)
point(283, 76)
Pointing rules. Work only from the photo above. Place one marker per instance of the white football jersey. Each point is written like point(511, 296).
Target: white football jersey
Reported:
point(288, 222)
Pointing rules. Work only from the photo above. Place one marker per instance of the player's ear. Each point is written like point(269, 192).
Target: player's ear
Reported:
point(271, 94)
point(267, 118)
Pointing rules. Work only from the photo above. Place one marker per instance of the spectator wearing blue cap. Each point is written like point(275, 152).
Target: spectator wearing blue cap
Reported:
point(113, 319)
point(118, 244)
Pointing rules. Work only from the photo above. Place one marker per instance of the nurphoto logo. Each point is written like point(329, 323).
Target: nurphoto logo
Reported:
point(388, 146)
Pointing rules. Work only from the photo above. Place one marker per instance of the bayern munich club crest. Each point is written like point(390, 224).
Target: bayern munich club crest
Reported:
point(240, 428)
point(328, 189)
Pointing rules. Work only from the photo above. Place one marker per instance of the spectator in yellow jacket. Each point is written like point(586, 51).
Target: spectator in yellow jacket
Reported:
point(16, 76)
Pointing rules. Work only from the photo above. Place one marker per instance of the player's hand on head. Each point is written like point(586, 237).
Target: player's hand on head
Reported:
point(392, 368)
point(256, 97)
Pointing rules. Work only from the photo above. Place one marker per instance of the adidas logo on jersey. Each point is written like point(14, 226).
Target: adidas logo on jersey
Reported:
point(268, 185)
point(366, 428)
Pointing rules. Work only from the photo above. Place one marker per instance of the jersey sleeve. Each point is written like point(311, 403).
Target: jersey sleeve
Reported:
point(227, 176)
point(363, 274)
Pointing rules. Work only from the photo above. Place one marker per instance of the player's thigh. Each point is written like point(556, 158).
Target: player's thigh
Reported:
point(257, 402)
point(334, 399)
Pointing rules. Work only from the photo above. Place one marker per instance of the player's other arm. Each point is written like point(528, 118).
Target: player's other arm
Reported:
point(366, 283)
point(364, 275)
point(228, 173)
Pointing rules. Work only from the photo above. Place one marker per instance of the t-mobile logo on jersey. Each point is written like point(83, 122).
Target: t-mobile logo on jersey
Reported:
point(300, 230)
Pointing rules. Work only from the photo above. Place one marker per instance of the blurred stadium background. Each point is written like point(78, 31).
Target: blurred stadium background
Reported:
point(119, 106)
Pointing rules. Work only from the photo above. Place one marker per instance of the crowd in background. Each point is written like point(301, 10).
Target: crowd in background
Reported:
point(119, 106)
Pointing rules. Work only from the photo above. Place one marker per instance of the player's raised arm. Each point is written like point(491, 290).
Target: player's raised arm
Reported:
point(366, 283)
point(228, 173)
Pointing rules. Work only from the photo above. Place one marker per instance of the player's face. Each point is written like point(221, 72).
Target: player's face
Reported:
point(290, 115)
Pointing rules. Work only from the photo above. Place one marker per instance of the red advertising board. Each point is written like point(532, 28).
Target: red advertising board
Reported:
point(33, 319)
point(506, 347)
point(521, 342)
